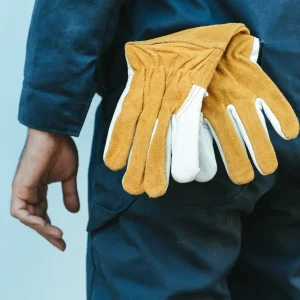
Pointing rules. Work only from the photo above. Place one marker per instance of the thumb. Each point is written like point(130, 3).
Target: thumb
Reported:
point(70, 194)
point(185, 147)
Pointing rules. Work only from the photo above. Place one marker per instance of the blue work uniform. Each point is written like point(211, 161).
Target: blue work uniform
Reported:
point(215, 240)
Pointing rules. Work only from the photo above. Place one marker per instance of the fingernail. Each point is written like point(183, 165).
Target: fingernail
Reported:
point(61, 248)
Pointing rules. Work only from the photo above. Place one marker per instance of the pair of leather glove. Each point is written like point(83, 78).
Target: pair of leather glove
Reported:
point(185, 90)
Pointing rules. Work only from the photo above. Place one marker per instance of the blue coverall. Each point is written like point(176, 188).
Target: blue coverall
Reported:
point(215, 240)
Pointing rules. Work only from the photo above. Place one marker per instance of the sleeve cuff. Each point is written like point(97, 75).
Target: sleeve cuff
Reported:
point(51, 112)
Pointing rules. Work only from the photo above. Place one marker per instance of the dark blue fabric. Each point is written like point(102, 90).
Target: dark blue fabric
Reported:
point(66, 43)
point(269, 263)
point(72, 46)
point(200, 241)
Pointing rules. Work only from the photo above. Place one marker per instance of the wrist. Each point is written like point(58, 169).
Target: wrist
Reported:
point(45, 140)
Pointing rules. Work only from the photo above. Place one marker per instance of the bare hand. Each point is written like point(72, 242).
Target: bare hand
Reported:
point(47, 158)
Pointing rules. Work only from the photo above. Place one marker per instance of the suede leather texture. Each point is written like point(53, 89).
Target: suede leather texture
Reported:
point(165, 70)
point(239, 82)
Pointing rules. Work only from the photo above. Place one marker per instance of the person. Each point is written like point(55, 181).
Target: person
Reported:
point(213, 240)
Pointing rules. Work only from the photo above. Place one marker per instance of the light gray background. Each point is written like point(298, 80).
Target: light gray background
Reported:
point(30, 268)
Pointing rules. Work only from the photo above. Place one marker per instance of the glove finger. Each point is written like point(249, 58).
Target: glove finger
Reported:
point(284, 121)
point(158, 158)
point(207, 158)
point(133, 181)
point(232, 151)
point(259, 110)
point(276, 107)
point(254, 135)
point(156, 177)
point(185, 138)
point(123, 124)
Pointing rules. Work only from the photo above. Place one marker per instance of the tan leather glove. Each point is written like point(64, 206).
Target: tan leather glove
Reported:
point(239, 93)
point(167, 76)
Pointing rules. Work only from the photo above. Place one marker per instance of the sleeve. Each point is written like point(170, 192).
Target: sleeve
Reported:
point(65, 40)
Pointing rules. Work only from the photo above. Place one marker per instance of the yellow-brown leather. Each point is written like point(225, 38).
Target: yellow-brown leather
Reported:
point(165, 69)
point(239, 82)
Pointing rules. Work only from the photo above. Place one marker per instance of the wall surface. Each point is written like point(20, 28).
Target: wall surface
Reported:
point(30, 268)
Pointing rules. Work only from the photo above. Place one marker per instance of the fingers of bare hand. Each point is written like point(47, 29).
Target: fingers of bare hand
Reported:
point(37, 223)
point(59, 243)
point(47, 219)
point(47, 230)
point(70, 194)
point(28, 194)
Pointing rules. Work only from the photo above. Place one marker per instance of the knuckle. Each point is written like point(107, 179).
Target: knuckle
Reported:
point(14, 184)
point(13, 213)
point(21, 221)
